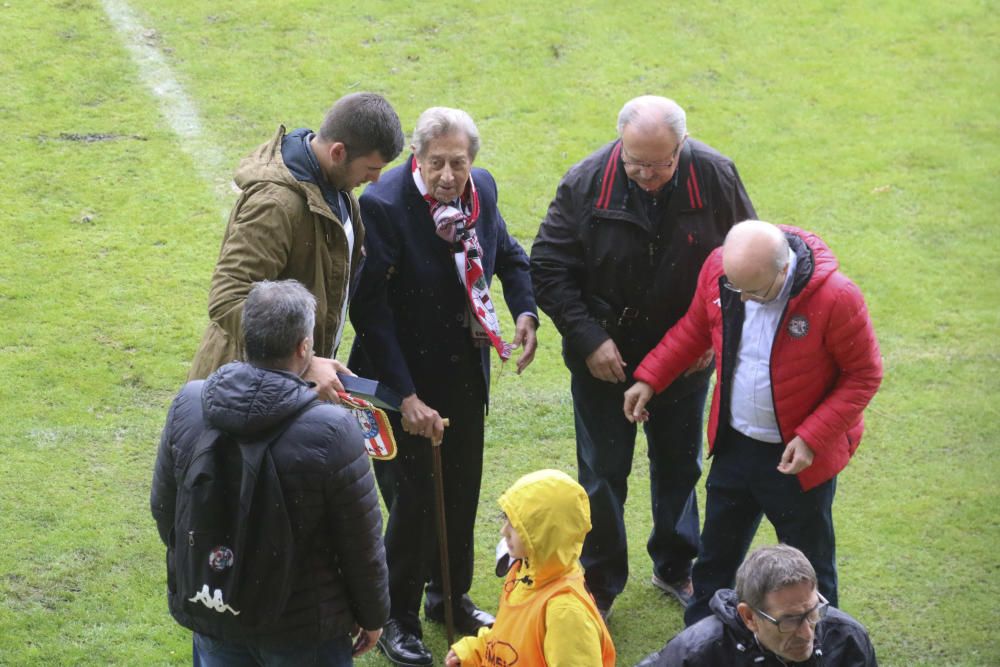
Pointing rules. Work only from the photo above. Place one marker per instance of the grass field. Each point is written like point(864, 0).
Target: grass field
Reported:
point(873, 124)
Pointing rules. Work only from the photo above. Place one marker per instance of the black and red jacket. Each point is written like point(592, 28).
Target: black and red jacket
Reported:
point(601, 269)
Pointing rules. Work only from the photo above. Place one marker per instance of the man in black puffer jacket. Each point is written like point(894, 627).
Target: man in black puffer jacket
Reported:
point(774, 618)
point(340, 582)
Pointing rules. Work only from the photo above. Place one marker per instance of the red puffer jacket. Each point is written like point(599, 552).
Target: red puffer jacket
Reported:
point(825, 362)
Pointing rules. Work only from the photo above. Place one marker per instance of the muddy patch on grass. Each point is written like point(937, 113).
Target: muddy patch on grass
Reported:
point(91, 137)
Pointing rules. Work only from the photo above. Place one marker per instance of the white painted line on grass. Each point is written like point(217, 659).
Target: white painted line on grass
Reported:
point(175, 105)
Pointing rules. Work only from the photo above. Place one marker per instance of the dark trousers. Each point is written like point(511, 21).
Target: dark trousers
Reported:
point(407, 486)
point(743, 485)
point(605, 444)
point(210, 652)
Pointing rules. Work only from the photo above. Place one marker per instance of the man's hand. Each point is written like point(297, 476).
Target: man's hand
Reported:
point(796, 457)
point(323, 372)
point(606, 363)
point(364, 640)
point(635, 402)
point(452, 660)
point(524, 337)
point(421, 419)
point(702, 363)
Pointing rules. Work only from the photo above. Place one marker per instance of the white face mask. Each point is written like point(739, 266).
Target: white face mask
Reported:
point(504, 562)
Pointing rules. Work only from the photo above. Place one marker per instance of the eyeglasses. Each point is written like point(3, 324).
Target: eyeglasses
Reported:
point(759, 294)
point(652, 166)
point(787, 624)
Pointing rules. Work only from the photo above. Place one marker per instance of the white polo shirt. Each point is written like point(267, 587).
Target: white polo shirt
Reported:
point(752, 405)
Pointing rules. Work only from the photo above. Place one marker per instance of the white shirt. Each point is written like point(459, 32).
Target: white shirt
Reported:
point(345, 205)
point(752, 405)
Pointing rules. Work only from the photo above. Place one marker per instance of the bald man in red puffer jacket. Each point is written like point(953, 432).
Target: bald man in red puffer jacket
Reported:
point(799, 362)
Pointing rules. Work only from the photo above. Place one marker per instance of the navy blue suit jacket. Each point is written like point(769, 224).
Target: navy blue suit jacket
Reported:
point(409, 308)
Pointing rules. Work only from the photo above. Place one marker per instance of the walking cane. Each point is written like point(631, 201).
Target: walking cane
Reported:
point(449, 615)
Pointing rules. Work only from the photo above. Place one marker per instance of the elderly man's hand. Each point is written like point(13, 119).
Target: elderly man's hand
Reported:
point(323, 372)
point(421, 419)
point(452, 659)
point(797, 457)
point(606, 363)
point(524, 337)
point(636, 398)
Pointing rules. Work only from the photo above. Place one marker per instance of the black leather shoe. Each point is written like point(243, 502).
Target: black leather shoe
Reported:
point(468, 617)
point(402, 647)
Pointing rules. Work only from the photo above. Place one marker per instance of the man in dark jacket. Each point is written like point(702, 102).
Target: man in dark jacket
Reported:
point(775, 617)
point(426, 326)
point(614, 265)
point(340, 582)
point(297, 218)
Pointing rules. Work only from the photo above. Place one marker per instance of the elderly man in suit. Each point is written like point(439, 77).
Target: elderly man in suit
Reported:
point(426, 326)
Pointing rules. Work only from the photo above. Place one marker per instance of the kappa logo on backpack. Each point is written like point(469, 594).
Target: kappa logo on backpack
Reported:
point(233, 544)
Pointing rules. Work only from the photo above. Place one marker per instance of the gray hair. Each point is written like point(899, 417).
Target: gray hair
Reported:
point(364, 122)
point(441, 121)
point(770, 569)
point(277, 316)
point(652, 110)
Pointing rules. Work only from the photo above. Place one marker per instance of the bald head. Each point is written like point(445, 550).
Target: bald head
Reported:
point(753, 254)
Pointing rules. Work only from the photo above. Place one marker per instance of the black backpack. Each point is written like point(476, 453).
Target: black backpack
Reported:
point(233, 544)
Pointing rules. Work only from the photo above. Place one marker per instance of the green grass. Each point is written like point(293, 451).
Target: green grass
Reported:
point(873, 124)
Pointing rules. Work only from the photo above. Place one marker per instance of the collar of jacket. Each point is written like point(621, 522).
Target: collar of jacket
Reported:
point(270, 155)
point(804, 264)
point(615, 200)
point(412, 192)
point(723, 605)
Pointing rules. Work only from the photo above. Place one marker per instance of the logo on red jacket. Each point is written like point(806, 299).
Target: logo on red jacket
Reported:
point(798, 326)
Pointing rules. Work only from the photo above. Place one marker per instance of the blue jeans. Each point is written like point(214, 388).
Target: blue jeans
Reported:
point(209, 652)
point(743, 486)
point(605, 444)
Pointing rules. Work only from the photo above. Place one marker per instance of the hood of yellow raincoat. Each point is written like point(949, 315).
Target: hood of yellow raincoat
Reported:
point(551, 513)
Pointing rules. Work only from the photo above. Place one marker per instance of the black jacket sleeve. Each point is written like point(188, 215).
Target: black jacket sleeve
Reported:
point(163, 495)
point(353, 510)
point(558, 267)
point(371, 315)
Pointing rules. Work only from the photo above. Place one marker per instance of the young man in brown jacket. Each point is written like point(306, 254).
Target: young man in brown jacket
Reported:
point(296, 218)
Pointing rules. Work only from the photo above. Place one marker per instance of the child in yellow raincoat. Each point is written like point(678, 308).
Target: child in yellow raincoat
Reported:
point(546, 615)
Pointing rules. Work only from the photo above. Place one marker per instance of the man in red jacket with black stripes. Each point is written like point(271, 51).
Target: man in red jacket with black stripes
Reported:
point(797, 364)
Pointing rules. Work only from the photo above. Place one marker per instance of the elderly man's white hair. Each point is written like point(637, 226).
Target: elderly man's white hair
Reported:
point(441, 121)
point(648, 111)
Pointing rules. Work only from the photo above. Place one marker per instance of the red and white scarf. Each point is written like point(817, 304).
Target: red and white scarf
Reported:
point(455, 223)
